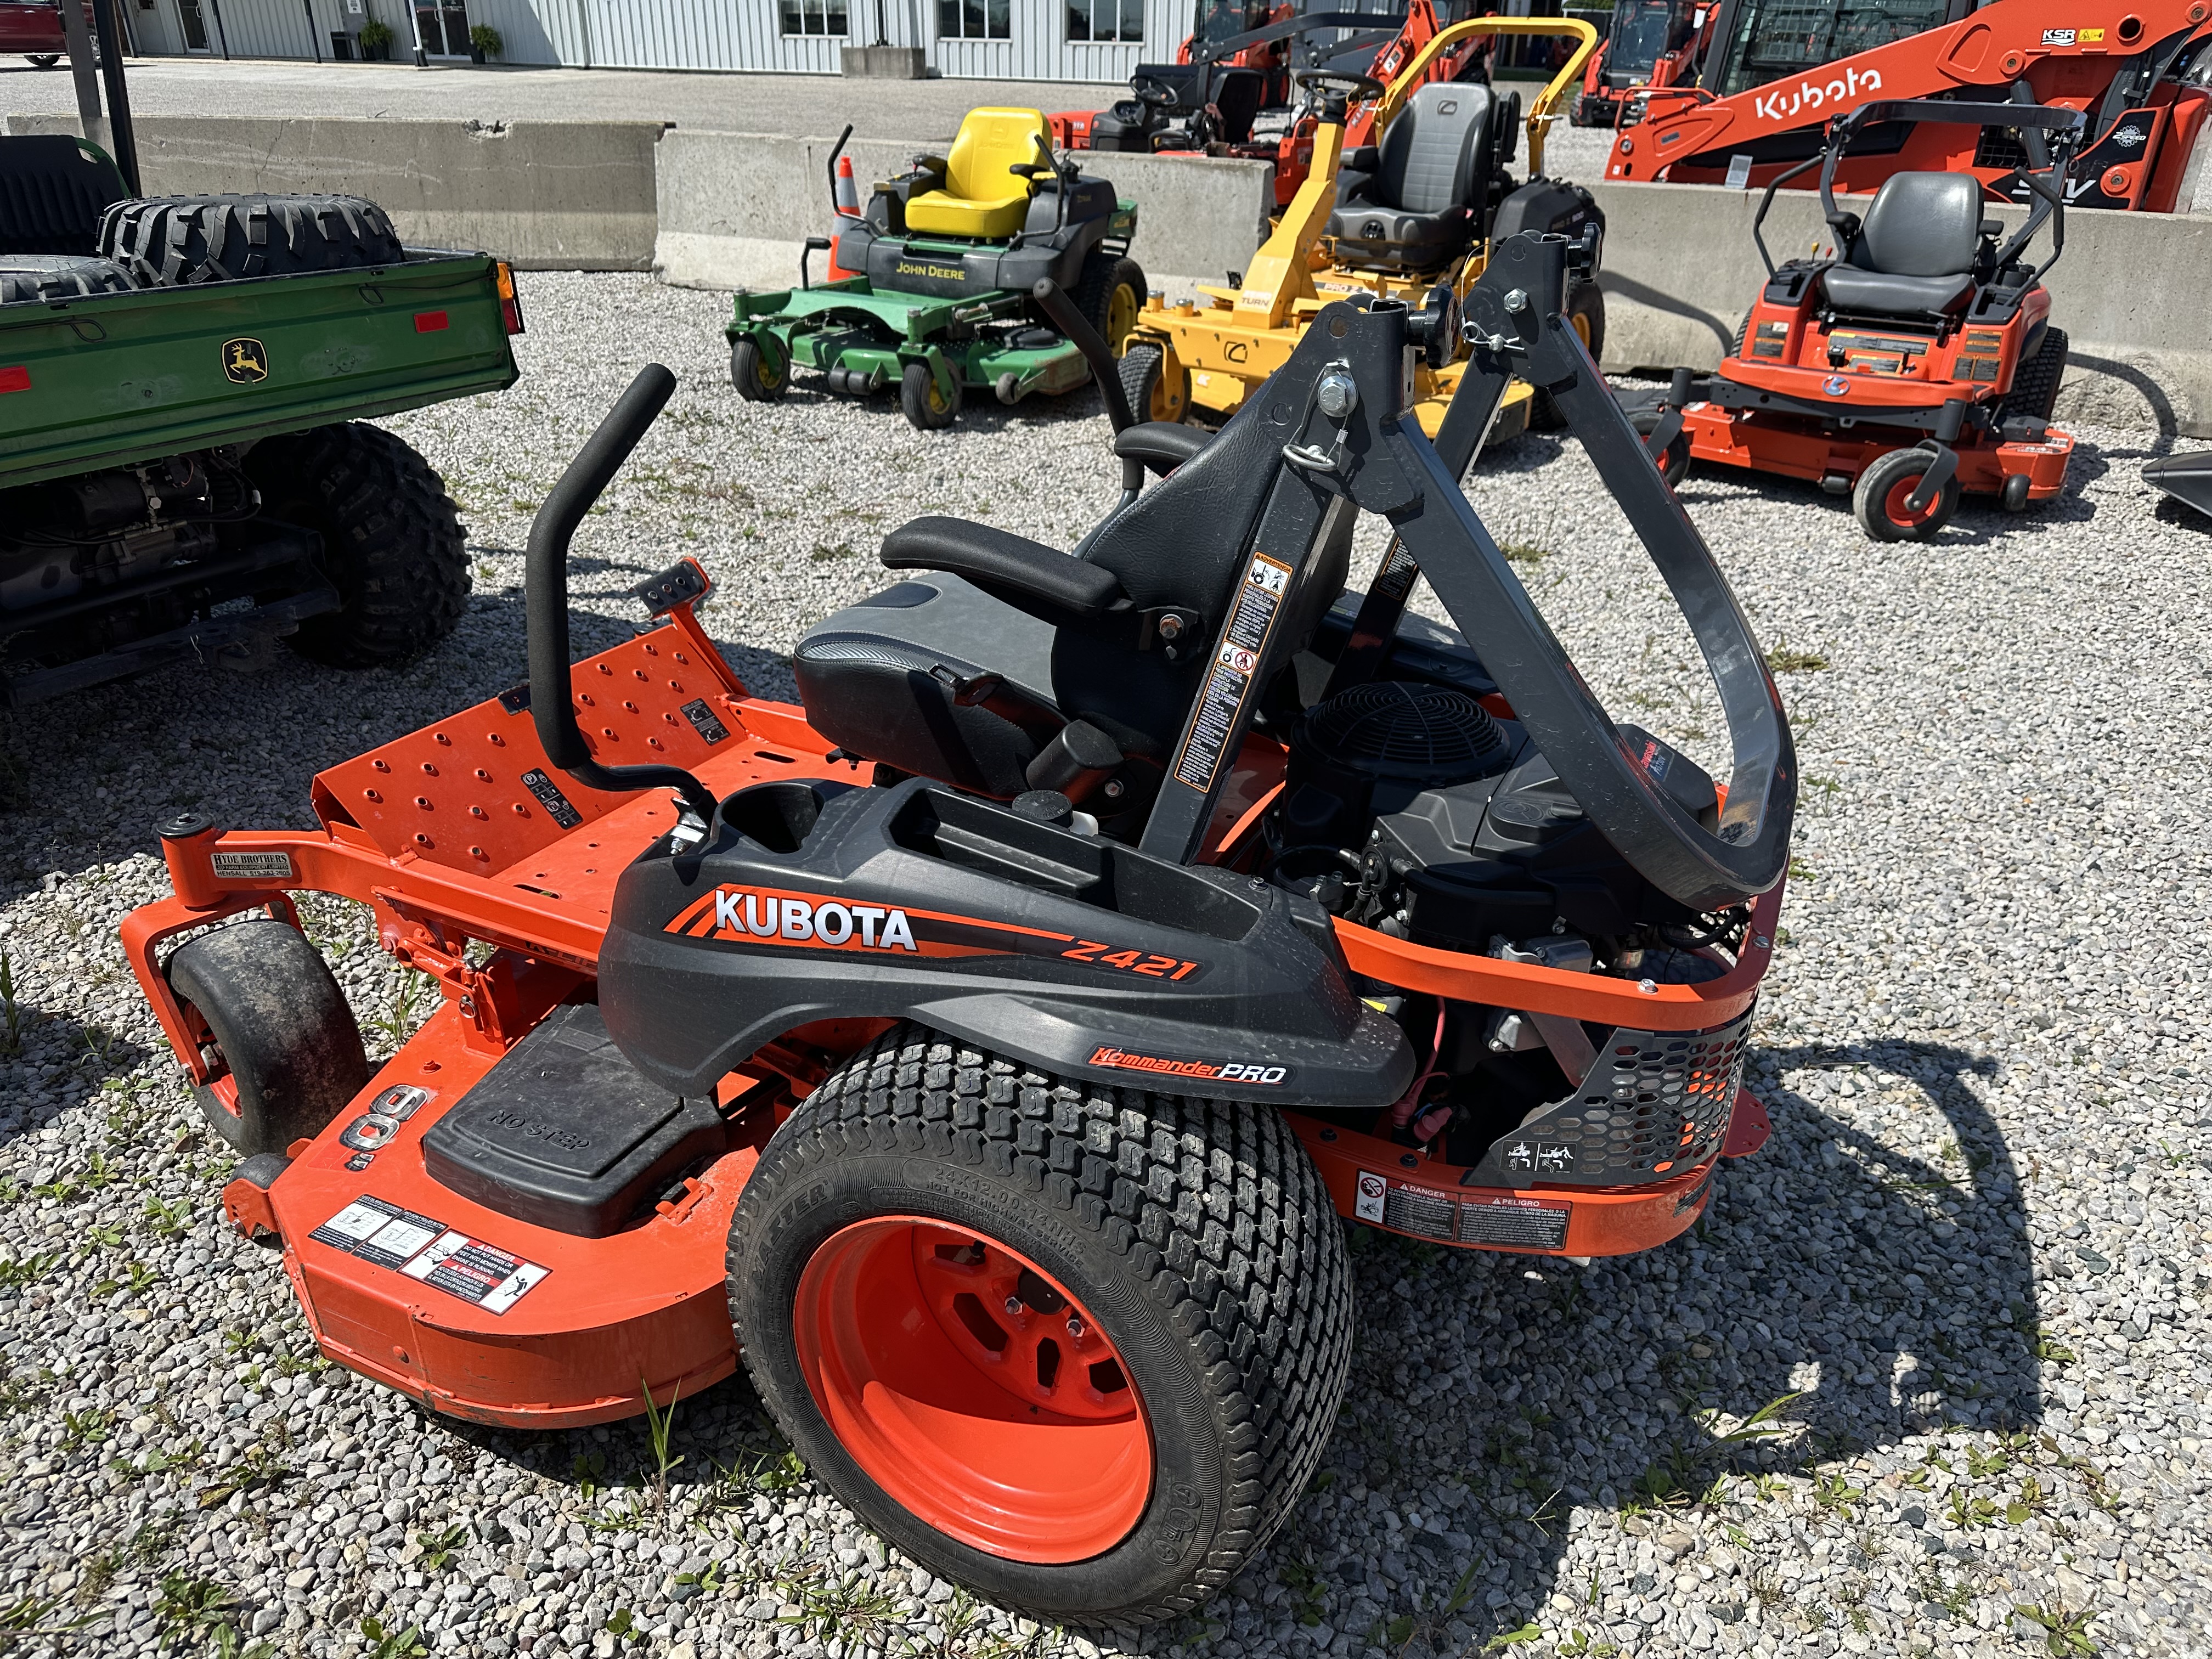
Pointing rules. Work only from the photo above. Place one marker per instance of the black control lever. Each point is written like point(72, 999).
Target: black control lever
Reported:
point(546, 599)
point(1071, 322)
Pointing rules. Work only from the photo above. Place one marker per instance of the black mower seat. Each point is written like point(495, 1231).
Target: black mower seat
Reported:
point(1423, 202)
point(1915, 251)
point(53, 190)
point(945, 692)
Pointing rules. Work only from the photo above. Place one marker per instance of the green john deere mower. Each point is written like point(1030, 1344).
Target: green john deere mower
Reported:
point(934, 286)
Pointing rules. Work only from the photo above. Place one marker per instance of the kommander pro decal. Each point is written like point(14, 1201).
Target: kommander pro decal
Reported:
point(1210, 1071)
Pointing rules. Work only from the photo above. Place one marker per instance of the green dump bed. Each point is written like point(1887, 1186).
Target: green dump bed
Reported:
point(119, 379)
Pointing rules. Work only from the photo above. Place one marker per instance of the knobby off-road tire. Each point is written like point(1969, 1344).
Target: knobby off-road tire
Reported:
point(392, 542)
point(32, 276)
point(170, 240)
point(283, 1027)
point(1196, 1237)
point(1585, 315)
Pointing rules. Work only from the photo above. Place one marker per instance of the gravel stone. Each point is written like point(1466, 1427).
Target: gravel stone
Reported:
point(1972, 1263)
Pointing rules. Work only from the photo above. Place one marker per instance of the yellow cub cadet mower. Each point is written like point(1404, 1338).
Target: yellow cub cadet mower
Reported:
point(1411, 217)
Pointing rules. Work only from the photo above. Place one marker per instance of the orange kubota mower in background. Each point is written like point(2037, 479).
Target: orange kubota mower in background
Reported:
point(1649, 44)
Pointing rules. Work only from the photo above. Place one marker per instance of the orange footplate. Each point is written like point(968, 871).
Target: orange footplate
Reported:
point(482, 1316)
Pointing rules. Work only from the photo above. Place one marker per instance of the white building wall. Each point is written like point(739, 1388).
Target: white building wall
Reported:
point(695, 34)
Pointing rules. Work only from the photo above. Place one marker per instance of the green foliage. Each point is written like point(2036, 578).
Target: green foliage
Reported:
point(2065, 1632)
point(485, 38)
point(374, 33)
point(393, 1644)
point(439, 1549)
point(189, 1611)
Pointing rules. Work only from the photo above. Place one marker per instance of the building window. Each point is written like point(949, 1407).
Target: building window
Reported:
point(813, 16)
point(1105, 20)
point(977, 19)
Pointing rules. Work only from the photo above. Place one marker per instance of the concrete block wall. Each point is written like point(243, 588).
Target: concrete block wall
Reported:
point(547, 195)
point(1681, 270)
point(735, 206)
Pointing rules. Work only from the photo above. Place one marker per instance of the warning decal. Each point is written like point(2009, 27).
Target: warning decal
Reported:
point(1229, 679)
point(1523, 1221)
point(493, 1279)
point(557, 805)
point(479, 1273)
point(1513, 1223)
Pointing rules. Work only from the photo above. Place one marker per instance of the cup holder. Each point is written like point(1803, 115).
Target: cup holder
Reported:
point(778, 815)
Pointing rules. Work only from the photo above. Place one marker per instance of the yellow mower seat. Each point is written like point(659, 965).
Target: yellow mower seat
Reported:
point(980, 197)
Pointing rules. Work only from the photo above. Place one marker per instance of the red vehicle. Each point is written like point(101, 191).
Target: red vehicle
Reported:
point(1231, 93)
point(1917, 358)
point(1651, 43)
point(2133, 67)
point(33, 27)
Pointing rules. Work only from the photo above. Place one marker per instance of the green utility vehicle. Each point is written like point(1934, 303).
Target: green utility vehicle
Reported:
point(932, 287)
point(182, 469)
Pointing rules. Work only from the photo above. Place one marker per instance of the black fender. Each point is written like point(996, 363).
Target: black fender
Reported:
point(1077, 954)
point(1549, 207)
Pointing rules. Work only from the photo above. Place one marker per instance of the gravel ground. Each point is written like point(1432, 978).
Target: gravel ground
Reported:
point(1930, 1377)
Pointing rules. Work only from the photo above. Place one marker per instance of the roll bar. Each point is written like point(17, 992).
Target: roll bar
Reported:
point(545, 598)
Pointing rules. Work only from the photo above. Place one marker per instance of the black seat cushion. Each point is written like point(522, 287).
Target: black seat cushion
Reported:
point(897, 702)
point(1423, 202)
point(1916, 249)
point(53, 191)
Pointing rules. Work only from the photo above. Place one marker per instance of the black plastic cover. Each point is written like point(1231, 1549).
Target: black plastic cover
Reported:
point(564, 1133)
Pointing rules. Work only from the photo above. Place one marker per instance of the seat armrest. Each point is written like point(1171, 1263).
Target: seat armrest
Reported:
point(1364, 158)
point(1047, 583)
point(1162, 445)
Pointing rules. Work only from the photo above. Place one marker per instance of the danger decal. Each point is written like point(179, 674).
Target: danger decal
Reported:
point(1210, 1071)
point(794, 920)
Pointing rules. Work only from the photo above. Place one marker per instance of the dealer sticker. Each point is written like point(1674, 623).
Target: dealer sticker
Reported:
point(253, 867)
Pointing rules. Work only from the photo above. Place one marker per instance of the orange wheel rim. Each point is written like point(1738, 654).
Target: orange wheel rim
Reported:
point(1898, 503)
point(974, 1390)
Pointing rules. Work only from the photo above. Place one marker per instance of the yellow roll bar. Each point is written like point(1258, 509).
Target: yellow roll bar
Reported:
point(1542, 112)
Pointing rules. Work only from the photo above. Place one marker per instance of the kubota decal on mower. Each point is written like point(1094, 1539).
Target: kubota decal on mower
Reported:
point(1036, 1255)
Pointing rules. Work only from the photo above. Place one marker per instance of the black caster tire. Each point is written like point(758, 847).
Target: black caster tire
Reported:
point(1674, 464)
point(282, 1028)
point(1585, 315)
point(1157, 387)
point(2014, 496)
point(1079, 1348)
point(1879, 500)
point(758, 380)
point(927, 408)
point(392, 542)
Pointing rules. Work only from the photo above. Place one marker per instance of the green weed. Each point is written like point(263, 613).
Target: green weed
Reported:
point(2065, 1632)
point(385, 1643)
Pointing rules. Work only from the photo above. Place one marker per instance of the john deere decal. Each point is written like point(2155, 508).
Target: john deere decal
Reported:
point(244, 360)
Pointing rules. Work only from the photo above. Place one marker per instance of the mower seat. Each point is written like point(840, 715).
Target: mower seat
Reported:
point(954, 693)
point(1917, 250)
point(982, 197)
point(1422, 204)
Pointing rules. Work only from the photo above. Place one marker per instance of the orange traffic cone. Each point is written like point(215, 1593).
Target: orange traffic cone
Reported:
point(848, 193)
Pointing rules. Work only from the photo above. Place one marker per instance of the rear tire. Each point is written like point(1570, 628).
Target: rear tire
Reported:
point(1157, 387)
point(1879, 501)
point(755, 380)
point(2035, 383)
point(1194, 1238)
point(1585, 315)
point(392, 542)
point(172, 241)
point(26, 277)
point(282, 1028)
point(927, 409)
point(43, 59)
point(1110, 296)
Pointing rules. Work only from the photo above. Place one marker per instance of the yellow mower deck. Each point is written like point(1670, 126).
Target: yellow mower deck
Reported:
point(1215, 348)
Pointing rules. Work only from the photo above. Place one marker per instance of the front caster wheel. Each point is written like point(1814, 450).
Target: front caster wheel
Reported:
point(1078, 1348)
point(281, 1029)
point(925, 405)
point(1882, 501)
point(758, 381)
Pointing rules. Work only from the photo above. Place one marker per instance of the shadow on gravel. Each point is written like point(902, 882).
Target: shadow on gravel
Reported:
point(1887, 1293)
point(79, 1055)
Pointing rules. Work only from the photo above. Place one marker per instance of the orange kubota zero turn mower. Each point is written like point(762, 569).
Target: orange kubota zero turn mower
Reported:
point(986, 1050)
point(1915, 358)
